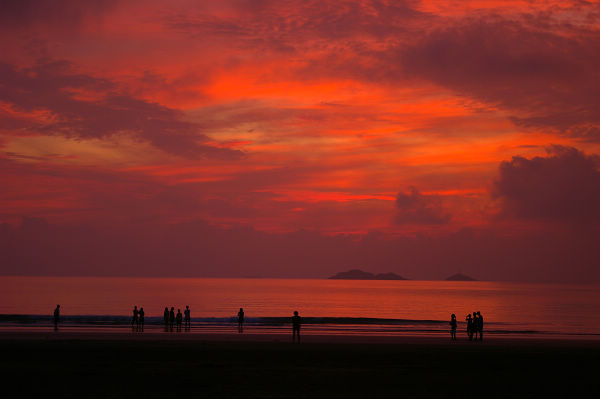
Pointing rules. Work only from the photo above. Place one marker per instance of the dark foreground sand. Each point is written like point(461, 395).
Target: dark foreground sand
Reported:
point(78, 364)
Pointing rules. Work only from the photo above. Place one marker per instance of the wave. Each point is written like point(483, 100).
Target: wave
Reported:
point(274, 321)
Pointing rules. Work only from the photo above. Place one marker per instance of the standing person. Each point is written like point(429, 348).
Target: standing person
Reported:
point(134, 320)
point(166, 318)
point(141, 328)
point(453, 327)
point(179, 318)
point(241, 321)
point(187, 318)
point(480, 325)
point(475, 324)
point(56, 317)
point(470, 327)
point(172, 318)
point(296, 321)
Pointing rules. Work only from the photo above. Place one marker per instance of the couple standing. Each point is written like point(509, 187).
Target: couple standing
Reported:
point(475, 326)
point(137, 321)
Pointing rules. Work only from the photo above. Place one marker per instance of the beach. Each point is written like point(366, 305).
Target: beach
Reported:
point(99, 365)
point(360, 339)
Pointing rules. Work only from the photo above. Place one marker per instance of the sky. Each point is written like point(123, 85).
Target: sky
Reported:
point(262, 138)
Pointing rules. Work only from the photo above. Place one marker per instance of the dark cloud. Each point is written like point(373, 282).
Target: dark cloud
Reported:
point(292, 26)
point(542, 71)
point(53, 87)
point(417, 208)
point(564, 186)
point(58, 15)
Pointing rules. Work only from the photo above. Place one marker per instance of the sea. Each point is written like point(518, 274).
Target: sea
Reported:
point(339, 307)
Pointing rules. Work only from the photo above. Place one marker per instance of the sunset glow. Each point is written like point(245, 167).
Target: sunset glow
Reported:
point(300, 138)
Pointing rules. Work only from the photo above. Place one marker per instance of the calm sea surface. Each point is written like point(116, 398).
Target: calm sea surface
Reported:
point(327, 306)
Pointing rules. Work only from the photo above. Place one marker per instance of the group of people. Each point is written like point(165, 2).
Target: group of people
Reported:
point(474, 326)
point(474, 322)
point(171, 319)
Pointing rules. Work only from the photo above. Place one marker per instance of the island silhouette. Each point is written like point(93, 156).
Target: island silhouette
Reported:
point(357, 274)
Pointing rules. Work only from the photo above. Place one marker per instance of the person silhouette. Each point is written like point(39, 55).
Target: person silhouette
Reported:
point(470, 327)
point(480, 325)
point(296, 321)
point(171, 318)
point(134, 320)
point(166, 318)
point(453, 327)
point(187, 318)
point(241, 321)
point(56, 317)
point(474, 326)
point(179, 318)
point(141, 315)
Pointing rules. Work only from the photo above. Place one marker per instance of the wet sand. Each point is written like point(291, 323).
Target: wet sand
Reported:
point(95, 364)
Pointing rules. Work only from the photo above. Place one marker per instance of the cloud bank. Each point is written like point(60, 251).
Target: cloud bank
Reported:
point(202, 250)
point(564, 186)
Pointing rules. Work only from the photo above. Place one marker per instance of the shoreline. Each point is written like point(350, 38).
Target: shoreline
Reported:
point(335, 326)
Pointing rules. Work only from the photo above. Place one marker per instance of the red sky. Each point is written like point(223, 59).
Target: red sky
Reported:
point(300, 138)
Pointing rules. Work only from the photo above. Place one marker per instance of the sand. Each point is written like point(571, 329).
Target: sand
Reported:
point(101, 365)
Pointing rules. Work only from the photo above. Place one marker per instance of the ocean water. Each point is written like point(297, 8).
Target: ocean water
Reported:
point(327, 306)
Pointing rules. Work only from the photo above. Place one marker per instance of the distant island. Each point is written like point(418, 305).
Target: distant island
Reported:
point(460, 277)
point(356, 274)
